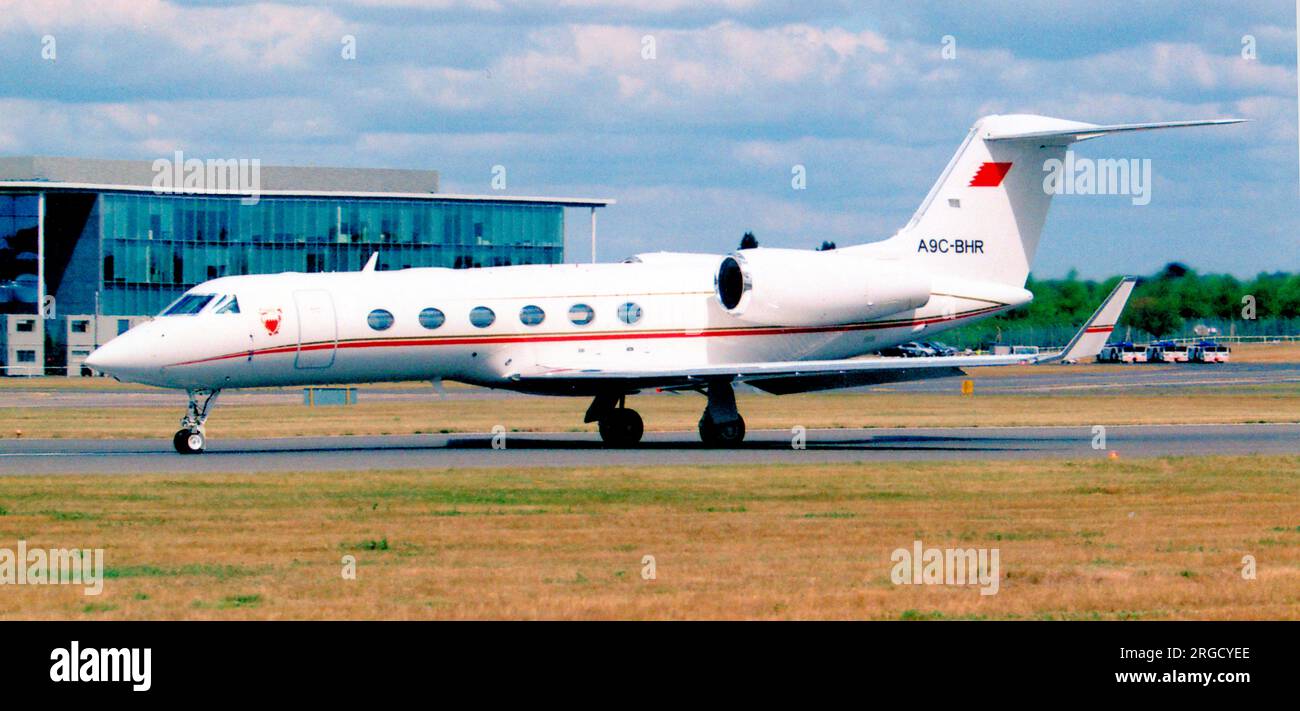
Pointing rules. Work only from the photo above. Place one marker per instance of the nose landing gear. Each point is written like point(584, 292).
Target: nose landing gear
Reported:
point(189, 439)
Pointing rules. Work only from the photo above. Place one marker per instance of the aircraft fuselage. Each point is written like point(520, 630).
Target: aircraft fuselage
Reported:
point(355, 327)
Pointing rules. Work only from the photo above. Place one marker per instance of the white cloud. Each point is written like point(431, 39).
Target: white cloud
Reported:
point(260, 36)
point(561, 93)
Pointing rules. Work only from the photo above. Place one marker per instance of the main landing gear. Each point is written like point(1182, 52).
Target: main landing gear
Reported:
point(721, 424)
point(620, 426)
point(189, 438)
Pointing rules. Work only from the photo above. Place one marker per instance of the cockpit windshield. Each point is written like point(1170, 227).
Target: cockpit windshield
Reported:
point(228, 305)
point(188, 305)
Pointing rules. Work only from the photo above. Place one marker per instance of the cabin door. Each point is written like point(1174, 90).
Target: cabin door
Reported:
point(318, 330)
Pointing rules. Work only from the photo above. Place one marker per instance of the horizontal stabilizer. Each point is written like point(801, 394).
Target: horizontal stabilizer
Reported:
point(1072, 131)
point(1090, 339)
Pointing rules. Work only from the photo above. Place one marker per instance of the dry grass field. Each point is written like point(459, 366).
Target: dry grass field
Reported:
point(1288, 352)
point(1275, 403)
point(1142, 539)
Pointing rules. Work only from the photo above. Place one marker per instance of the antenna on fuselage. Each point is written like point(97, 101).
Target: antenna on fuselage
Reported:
point(370, 263)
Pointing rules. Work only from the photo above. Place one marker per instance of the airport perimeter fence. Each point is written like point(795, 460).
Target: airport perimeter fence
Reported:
point(1257, 331)
point(27, 370)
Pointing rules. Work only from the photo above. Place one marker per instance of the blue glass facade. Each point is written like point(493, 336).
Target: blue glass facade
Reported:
point(153, 247)
point(18, 254)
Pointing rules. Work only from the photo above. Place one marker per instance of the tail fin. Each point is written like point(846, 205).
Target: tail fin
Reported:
point(983, 218)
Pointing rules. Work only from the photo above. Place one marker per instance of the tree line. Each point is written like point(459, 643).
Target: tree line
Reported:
point(1168, 303)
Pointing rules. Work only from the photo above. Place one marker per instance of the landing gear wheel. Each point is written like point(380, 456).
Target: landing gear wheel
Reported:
point(721, 424)
point(189, 442)
point(727, 434)
point(189, 438)
point(621, 427)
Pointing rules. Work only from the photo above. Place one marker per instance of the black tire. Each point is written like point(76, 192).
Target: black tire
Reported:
point(728, 434)
point(189, 441)
point(621, 428)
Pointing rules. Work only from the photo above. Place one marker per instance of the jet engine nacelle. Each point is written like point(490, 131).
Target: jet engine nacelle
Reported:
point(792, 287)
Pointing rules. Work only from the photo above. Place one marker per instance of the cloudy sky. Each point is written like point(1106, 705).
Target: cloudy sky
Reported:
point(698, 142)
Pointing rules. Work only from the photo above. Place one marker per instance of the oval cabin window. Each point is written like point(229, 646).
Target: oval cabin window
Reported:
point(482, 316)
point(380, 319)
point(532, 315)
point(581, 314)
point(629, 313)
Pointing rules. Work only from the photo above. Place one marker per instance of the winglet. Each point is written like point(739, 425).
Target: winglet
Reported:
point(1090, 339)
point(370, 263)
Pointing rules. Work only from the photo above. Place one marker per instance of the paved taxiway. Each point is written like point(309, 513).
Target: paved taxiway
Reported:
point(1058, 380)
point(668, 448)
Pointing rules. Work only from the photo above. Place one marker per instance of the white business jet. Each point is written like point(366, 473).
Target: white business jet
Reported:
point(781, 320)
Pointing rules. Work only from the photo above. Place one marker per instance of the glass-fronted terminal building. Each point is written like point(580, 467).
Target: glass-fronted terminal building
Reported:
point(88, 248)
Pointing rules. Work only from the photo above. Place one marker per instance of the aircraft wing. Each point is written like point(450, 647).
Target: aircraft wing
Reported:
point(783, 377)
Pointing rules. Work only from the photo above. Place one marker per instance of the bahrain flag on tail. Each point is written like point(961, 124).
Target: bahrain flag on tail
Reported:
point(990, 175)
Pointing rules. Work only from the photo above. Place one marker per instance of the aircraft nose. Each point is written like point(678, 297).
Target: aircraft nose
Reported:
point(109, 358)
point(121, 358)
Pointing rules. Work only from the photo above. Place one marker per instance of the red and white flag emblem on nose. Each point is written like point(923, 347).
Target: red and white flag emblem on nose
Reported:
point(271, 320)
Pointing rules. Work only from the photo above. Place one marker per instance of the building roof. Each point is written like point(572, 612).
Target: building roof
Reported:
point(98, 175)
